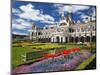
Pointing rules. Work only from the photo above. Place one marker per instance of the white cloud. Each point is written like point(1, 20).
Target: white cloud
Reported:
point(47, 17)
point(85, 18)
point(19, 20)
point(16, 11)
point(70, 8)
point(26, 8)
point(48, 22)
point(74, 9)
point(79, 7)
point(19, 33)
point(30, 13)
point(79, 13)
point(20, 24)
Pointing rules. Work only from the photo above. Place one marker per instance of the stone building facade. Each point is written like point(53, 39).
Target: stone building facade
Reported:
point(65, 31)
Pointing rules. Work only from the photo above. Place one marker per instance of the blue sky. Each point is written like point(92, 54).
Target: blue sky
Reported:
point(24, 14)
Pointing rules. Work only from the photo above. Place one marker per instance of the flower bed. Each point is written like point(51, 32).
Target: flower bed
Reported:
point(47, 47)
point(67, 60)
point(64, 52)
point(58, 63)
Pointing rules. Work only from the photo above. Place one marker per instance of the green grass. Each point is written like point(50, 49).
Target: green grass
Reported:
point(85, 63)
point(16, 54)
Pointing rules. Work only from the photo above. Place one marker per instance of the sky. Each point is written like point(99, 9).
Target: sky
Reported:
point(25, 14)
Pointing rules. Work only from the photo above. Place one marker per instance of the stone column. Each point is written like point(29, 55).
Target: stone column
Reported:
point(63, 39)
point(60, 39)
point(51, 39)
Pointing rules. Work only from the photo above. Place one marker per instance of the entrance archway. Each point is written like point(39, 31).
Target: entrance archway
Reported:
point(61, 40)
point(57, 38)
point(93, 38)
point(88, 38)
point(76, 39)
point(72, 38)
point(82, 39)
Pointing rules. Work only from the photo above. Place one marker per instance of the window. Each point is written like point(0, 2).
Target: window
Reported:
point(78, 29)
point(39, 33)
point(82, 29)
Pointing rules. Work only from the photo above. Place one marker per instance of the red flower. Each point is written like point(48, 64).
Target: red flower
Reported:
point(78, 49)
point(75, 49)
point(50, 55)
point(66, 51)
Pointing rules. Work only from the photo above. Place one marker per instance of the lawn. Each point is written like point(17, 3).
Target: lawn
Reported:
point(16, 54)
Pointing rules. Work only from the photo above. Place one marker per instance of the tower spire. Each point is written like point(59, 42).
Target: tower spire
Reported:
point(69, 17)
point(62, 16)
